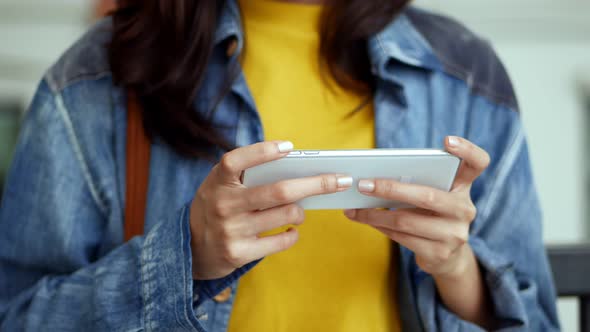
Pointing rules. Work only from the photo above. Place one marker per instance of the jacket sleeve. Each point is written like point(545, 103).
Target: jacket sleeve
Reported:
point(54, 273)
point(506, 237)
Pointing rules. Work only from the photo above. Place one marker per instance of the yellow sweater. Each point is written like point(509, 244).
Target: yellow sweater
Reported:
point(340, 276)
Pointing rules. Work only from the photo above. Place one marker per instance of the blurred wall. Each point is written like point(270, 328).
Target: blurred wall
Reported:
point(33, 33)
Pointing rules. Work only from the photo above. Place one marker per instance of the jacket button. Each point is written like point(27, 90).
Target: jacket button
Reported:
point(223, 296)
point(232, 46)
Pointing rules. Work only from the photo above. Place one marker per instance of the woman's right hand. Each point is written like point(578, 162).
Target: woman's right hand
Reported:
point(227, 218)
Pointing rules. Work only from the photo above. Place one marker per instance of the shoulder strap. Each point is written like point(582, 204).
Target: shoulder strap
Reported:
point(137, 169)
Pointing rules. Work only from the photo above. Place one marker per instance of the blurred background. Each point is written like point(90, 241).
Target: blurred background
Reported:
point(545, 44)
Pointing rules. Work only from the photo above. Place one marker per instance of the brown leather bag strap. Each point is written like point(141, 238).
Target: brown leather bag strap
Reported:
point(137, 169)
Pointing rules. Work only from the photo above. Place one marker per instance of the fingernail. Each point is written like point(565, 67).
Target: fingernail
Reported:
point(350, 213)
point(285, 147)
point(453, 141)
point(367, 186)
point(344, 182)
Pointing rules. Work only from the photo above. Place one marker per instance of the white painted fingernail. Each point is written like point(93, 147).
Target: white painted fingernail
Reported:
point(453, 141)
point(367, 186)
point(285, 147)
point(344, 181)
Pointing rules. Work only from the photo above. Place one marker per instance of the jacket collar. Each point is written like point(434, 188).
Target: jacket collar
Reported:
point(230, 25)
point(398, 42)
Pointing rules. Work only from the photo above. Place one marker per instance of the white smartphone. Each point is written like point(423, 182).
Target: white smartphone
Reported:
point(428, 167)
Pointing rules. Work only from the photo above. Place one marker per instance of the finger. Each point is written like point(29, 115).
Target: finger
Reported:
point(409, 222)
point(233, 163)
point(428, 250)
point(455, 205)
point(293, 190)
point(266, 220)
point(474, 159)
point(268, 245)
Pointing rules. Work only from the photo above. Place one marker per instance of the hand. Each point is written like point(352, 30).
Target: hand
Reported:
point(226, 217)
point(436, 230)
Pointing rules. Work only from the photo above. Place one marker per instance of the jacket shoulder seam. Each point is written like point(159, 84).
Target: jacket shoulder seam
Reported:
point(465, 55)
point(461, 73)
point(87, 58)
point(80, 78)
point(71, 133)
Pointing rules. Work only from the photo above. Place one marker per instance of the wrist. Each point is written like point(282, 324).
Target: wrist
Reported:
point(460, 266)
point(463, 290)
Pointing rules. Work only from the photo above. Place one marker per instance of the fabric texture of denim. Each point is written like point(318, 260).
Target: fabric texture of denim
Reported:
point(63, 263)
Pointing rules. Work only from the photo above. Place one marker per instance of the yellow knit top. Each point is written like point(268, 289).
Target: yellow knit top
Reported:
point(340, 276)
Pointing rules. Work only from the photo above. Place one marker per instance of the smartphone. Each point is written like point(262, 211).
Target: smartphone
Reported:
point(428, 167)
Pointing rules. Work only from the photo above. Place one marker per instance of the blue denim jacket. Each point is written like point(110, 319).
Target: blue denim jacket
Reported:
point(63, 263)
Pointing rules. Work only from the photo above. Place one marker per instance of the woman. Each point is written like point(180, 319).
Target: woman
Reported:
point(216, 75)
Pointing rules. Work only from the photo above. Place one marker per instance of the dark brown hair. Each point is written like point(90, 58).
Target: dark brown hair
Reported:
point(161, 48)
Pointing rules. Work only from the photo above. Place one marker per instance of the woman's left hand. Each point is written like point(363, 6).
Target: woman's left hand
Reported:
point(436, 230)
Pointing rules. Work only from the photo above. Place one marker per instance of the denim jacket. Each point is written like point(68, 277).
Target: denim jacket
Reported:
point(65, 267)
